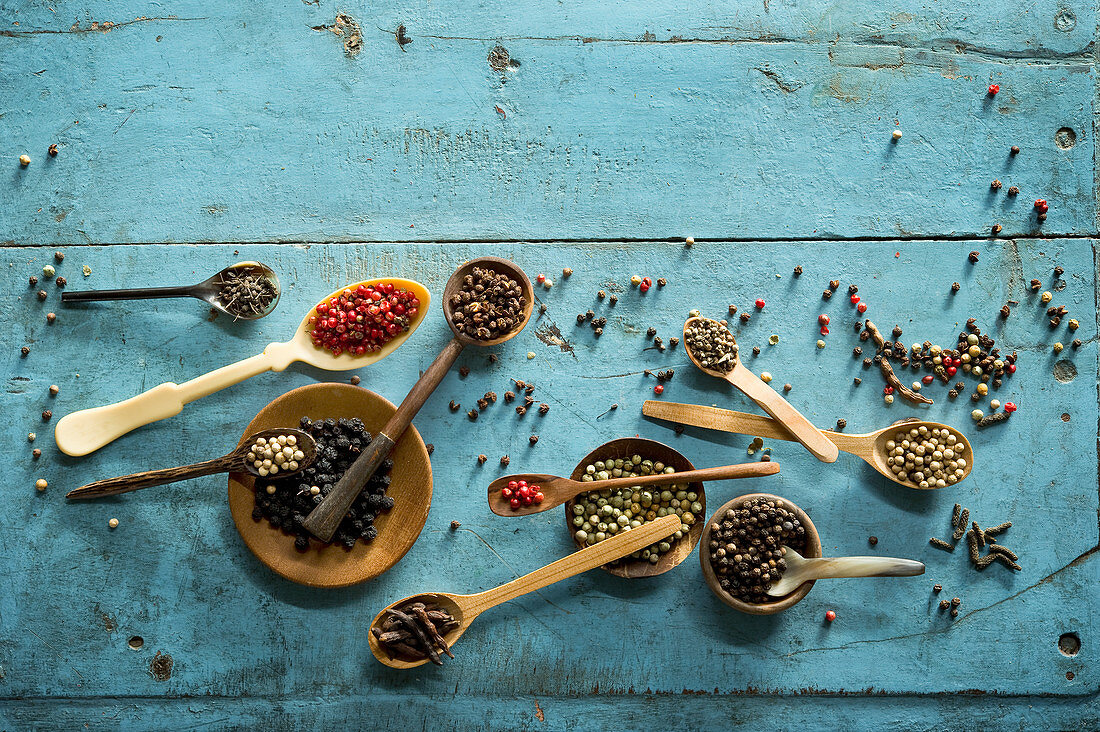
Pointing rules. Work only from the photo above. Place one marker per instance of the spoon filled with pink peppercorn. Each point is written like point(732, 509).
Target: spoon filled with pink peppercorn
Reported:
point(329, 338)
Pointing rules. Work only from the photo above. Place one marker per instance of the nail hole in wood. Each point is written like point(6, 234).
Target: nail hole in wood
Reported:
point(1069, 644)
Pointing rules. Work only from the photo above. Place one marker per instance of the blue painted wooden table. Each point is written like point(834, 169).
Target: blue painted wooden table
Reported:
point(589, 136)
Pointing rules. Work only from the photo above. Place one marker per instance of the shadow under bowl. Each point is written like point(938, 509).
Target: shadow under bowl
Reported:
point(410, 486)
point(813, 550)
point(625, 447)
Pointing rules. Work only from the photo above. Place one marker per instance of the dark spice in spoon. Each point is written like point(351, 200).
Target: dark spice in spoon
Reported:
point(242, 292)
point(488, 305)
point(416, 631)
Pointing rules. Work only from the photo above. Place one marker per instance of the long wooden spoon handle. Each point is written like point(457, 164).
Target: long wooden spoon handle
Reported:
point(323, 520)
point(834, 567)
point(591, 557)
point(137, 481)
point(724, 472)
point(136, 293)
point(769, 400)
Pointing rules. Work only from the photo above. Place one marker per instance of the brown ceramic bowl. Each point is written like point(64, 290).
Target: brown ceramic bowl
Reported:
point(813, 550)
point(500, 266)
point(649, 450)
point(398, 529)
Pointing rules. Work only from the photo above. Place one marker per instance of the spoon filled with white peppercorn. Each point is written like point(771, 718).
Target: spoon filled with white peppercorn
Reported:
point(245, 290)
point(914, 452)
point(711, 347)
point(275, 452)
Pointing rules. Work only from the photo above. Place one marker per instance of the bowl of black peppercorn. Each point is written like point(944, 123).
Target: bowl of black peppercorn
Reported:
point(761, 523)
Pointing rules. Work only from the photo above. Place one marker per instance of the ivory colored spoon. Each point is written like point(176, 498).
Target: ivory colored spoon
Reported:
point(871, 447)
point(325, 518)
point(801, 569)
point(557, 491)
point(88, 430)
point(208, 290)
point(234, 461)
point(770, 401)
point(466, 608)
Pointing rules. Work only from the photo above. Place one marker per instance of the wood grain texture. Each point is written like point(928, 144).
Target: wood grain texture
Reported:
point(266, 130)
point(762, 130)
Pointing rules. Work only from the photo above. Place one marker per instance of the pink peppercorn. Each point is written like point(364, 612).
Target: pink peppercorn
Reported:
point(951, 370)
point(993, 89)
point(823, 319)
point(830, 616)
point(659, 389)
point(759, 303)
point(854, 299)
point(887, 390)
point(927, 379)
point(540, 278)
point(862, 307)
point(1010, 407)
point(1011, 368)
point(1041, 205)
point(824, 330)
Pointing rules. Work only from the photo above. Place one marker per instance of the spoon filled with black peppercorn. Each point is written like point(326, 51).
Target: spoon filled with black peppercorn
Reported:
point(245, 290)
point(713, 349)
point(278, 452)
point(486, 302)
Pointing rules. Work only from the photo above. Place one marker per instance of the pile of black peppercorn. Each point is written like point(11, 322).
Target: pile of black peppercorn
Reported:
point(339, 443)
point(746, 547)
point(488, 305)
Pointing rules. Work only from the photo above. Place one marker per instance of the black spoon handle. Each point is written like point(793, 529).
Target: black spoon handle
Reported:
point(137, 293)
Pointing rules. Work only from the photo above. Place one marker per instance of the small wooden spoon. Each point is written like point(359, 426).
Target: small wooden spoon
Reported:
point(208, 290)
point(871, 447)
point(80, 433)
point(800, 569)
point(770, 401)
point(323, 520)
point(466, 608)
point(556, 490)
point(234, 461)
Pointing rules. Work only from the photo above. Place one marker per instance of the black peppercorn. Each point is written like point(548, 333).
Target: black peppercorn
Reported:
point(745, 317)
point(650, 332)
point(598, 332)
point(661, 282)
point(52, 150)
point(587, 316)
point(833, 284)
point(612, 300)
point(509, 396)
point(61, 281)
point(42, 295)
point(429, 448)
point(455, 525)
point(852, 289)
point(24, 351)
point(826, 294)
point(1058, 272)
point(974, 257)
point(857, 351)
point(504, 460)
point(872, 540)
point(798, 270)
point(857, 381)
point(995, 185)
point(601, 294)
point(1076, 344)
point(33, 280)
point(47, 415)
point(580, 318)
point(673, 342)
point(454, 405)
point(463, 371)
point(937, 588)
point(472, 414)
point(756, 350)
point(481, 459)
point(955, 287)
point(1014, 150)
point(841, 424)
point(996, 229)
point(533, 439)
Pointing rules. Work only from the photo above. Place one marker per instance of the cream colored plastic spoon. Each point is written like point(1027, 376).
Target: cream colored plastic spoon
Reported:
point(769, 400)
point(800, 569)
point(466, 608)
point(88, 430)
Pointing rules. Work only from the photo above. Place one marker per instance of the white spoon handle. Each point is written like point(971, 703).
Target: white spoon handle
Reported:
point(835, 567)
point(88, 430)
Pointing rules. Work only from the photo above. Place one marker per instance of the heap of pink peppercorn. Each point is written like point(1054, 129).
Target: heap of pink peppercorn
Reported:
point(518, 493)
point(363, 320)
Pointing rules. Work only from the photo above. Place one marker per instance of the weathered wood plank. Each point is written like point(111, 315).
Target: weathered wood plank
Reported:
point(251, 126)
point(72, 592)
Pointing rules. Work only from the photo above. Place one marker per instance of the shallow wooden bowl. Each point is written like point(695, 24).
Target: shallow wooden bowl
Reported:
point(501, 266)
point(398, 529)
point(813, 550)
point(625, 447)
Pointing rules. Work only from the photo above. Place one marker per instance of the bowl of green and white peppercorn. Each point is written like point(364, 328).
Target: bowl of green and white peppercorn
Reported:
point(598, 515)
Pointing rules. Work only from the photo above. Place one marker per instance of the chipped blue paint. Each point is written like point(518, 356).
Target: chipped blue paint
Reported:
point(175, 572)
point(621, 128)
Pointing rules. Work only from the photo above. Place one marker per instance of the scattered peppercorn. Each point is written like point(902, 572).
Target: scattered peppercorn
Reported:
point(463, 371)
point(973, 257)
point(993, 89)
point(872, 540)
point(745, 317)
point(51, 317)
point(36, 453)
point(1005, 312)
point(355, 380)
point(521, 410)
point(1076, 343)
point(455, 525)
point(996, 229)
point(830, 616)
point(1035, 285)
point(689, 242)
point(52, 150)
point(601, 294)
point(472, 414)
point(42, 294)
point(798, 270)
point(1014, 150)
point(544, 408)
point(566, 272)
point(481, 459)
point(533, 439)
point(612, 300)
point(661, 282)
point(841, 424)
point(857, 381)
point(826, 294)
point(944, 604)
point(995, 185)
point(787, 387)
point(1013, 191)
point(47, 415)
point(756, 350)
point(24, 351)
point(504, 460)
point(41, 484)
point(673, 342)
point(833, 284)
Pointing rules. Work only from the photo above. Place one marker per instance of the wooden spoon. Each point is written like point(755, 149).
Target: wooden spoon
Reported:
point(234, 461)
point(557, 491)
point(770, 401)
point(323, 520)
point(800, 569)
point(208, 290)
point(466, 608)
point(871, 447)
point(82, 432)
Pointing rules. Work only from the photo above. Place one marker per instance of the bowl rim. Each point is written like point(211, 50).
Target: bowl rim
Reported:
point(813, 550)
point(636, 569)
